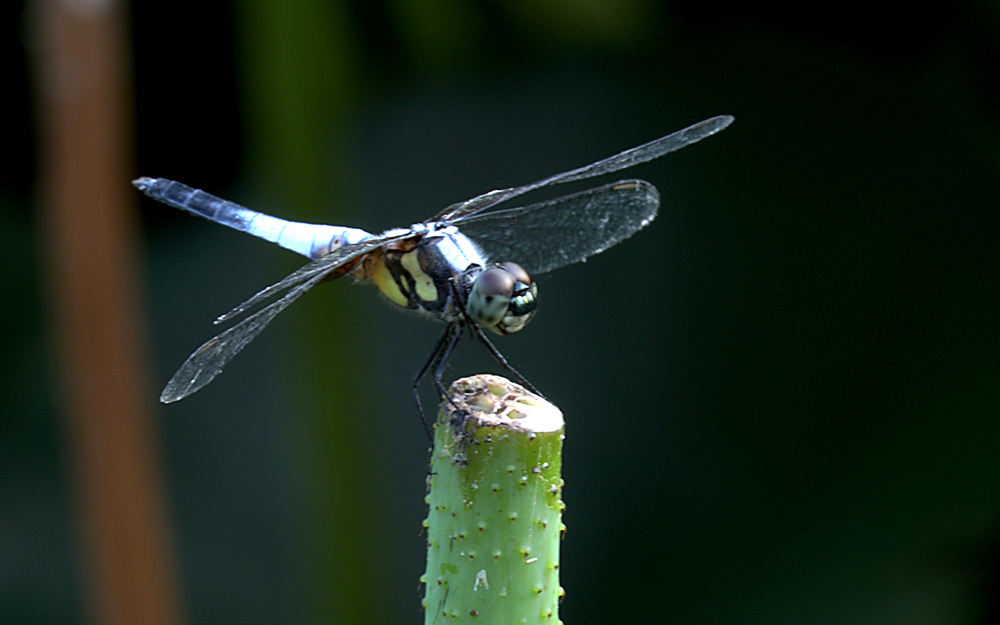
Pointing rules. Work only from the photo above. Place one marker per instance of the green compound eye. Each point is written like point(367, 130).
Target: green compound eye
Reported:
point(490, 296)
point(503, 298)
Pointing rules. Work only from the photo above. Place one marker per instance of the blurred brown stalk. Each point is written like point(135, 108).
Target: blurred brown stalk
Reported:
point(87, 222)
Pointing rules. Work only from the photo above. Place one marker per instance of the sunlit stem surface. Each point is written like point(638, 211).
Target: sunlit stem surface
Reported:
point(495, 518)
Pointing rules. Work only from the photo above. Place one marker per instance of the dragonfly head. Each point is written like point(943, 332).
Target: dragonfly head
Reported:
point(503, 298)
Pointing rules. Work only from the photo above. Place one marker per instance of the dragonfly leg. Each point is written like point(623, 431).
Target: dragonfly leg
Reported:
point(442, 350)
point(442, 362)
point(497, 356)
point(477, 330)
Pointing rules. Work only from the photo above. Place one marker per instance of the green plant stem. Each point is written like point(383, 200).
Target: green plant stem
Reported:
point(495, 507)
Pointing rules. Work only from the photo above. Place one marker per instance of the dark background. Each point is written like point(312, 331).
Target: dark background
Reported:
point(783, 397)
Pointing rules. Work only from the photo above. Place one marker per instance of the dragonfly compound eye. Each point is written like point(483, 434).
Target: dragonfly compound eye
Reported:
point(503, 298)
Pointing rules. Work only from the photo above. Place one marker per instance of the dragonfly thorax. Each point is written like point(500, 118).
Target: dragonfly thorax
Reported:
point(440, 272)
point(502, 298)
point(430, 272)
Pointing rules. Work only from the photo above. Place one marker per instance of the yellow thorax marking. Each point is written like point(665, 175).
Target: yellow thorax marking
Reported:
point(379, 272)
point(425, 287)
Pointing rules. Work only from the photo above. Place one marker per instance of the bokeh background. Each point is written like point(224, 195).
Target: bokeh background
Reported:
point(783, 397)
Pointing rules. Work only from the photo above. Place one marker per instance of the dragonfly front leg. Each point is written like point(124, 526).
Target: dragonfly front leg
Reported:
point(443, 362)
point(436, 361)
point(502, 361)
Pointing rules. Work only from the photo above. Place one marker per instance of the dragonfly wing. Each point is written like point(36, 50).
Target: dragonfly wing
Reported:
point(324, 266)
point(622, 160)
point(207, 361)
point(548, 235)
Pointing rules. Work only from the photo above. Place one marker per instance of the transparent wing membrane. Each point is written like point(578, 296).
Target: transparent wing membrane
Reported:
point(324, 266)
point(583, 224)
point(207, 361)
point(622, 160)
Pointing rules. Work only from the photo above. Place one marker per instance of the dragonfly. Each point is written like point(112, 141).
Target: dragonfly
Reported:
point(468, 266)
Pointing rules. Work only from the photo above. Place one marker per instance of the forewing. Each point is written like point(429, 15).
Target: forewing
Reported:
point(545, 236)
point(207, 361)
point(321, 266)
point(623, 160)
